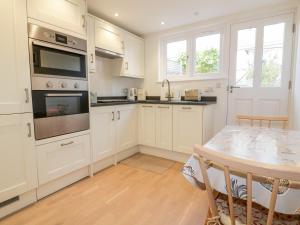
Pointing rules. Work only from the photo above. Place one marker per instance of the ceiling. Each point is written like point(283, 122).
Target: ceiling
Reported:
point(145, 16)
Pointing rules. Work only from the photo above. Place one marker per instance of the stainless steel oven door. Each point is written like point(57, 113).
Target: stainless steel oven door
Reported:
point(51, 60)
point(60, 125)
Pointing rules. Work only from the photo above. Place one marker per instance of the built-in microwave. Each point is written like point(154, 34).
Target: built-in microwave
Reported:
point(54, 54)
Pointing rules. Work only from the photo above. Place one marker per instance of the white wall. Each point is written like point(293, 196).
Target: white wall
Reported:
point(219, 86)
point(296, 91)
point(105, 84)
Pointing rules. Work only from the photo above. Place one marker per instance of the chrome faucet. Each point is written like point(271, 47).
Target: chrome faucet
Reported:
point(169, 96)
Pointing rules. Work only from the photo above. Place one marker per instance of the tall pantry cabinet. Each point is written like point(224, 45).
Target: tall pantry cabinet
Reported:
point(17, 153)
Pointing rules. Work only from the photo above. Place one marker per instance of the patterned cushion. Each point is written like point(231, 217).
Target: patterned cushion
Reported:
point(259, 213)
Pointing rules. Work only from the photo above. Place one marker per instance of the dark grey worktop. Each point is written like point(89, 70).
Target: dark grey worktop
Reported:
point(153, 100)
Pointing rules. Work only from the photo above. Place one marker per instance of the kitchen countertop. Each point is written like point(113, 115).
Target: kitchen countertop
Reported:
point(208, 101)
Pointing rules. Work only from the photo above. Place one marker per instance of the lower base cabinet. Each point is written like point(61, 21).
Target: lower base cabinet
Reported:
point(113, 129)
point(62, 157)
point(18, 159)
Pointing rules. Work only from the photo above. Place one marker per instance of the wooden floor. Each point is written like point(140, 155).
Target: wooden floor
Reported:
point(120, 195)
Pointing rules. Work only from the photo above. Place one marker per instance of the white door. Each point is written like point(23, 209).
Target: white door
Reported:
point(260, 67)
point(103, 132)
point(15, 94)
point(18, 173)
point(126, 127)
point(147, 124)
point(164, 126)
point(187, 127)
point(66, 14)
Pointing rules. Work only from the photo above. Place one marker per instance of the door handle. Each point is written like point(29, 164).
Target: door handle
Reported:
point(113, 116)
point(83, 19)
point(92, 58)
point(119, 115)
point(126, 66)
point(29, 130)
point(26, 95)
point(233, 87)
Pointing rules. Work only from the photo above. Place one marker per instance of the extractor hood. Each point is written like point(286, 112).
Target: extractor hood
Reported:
point(108, 54)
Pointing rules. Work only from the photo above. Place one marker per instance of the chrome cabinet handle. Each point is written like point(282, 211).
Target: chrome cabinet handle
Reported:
point(113, 116)
point(83, 19)
point(186, 108)
point(65, 144)
point(163, 107)
point(126, 66)
point(29, 130)
point(27, 95)
point(233, 87)
point(147, 106)
point(92, 58)
point(119, 115)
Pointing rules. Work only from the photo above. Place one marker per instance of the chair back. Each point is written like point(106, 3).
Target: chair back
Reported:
point(249, 169)
point(261, 119)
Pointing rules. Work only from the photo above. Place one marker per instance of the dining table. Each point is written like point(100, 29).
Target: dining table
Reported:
point(265, 146)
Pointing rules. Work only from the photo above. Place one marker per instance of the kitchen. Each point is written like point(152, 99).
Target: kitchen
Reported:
point(88, 93)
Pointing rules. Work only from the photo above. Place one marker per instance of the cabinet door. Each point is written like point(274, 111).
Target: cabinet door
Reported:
point(103, 132)
point(133, 56)
point(17, 160)
point(164, 126)
point(187, 127)
point(15, 94)
point(59, 158)
point(91, 44)
point(126, 127)
point(108, 37)
point(66, 14)
point(147, 124)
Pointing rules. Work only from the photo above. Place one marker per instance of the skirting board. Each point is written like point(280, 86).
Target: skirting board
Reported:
point(175, 156)
point(26, 199)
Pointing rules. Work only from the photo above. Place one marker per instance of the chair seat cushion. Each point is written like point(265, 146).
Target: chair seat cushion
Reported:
point(259, 213)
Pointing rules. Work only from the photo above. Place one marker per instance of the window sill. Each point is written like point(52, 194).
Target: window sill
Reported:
point(196, 78)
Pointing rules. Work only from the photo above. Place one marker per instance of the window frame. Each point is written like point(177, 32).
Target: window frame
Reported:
point(190, 37)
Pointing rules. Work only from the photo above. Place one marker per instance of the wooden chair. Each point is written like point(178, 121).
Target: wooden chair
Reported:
point(250, 170)
point(261, 119)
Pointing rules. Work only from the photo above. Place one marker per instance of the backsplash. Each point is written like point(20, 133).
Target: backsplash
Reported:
point(105, 84)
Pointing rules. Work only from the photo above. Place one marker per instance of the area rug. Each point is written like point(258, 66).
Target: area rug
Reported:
point(149, 163)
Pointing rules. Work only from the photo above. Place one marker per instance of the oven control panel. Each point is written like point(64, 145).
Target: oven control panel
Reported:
point(44, 83)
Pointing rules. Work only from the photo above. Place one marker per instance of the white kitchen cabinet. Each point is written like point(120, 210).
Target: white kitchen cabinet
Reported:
point(133, 63)
point(187, 127)
point(147, 125)
point(113, 129)
point(108, 37)
point(127, 127)
point(59, 158)
point(18, 173)
point(15, 94)
point(103, 132)
point(91, 44)
point(164, 126)
point(65, 14)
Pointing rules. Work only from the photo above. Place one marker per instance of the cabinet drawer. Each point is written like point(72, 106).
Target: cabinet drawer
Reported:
point(60, 158)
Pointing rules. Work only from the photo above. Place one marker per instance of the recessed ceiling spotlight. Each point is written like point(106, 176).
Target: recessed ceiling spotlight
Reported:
point(116, 14)
point(162, 23)
point(196, 13)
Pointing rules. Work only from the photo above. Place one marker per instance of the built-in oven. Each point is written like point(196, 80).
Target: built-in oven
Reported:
point(59, 112)
point(54, 54)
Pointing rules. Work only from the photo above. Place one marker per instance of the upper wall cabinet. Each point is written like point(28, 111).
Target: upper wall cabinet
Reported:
point(108, 37)
point(65, 14)
point(91, 43)
point(14, 60)
point(133, 64)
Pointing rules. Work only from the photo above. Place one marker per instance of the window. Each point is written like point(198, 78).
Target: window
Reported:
point(272, 55)
point(207, 59)
point(245, 57)
point(177, 58)
point(193, 56)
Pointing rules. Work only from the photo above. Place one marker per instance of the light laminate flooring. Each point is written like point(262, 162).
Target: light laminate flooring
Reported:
point(120, 195)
